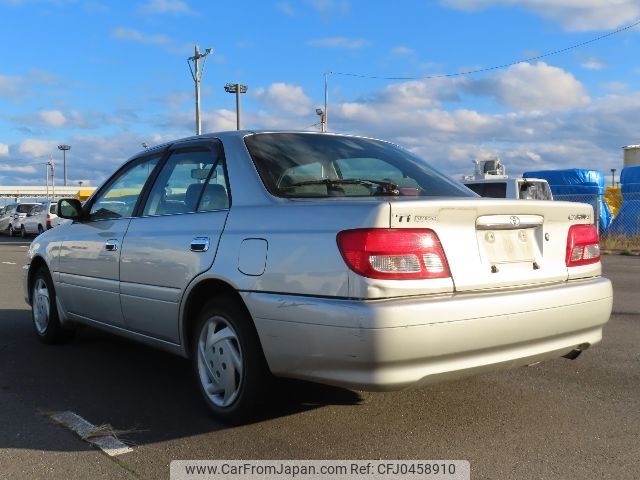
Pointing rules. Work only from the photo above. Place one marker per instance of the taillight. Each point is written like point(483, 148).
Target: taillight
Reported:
point(583, 245)
point(395, 254)
point(48, 220)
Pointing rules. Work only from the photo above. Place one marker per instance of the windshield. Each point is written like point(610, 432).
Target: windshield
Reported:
point(25, 207)
point(312, 165)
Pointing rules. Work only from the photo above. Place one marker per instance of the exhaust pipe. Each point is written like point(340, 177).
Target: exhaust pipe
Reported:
point(575, 353)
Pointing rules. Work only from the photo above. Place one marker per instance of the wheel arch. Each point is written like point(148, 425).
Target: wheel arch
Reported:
point(196, 296)
point(37, 262)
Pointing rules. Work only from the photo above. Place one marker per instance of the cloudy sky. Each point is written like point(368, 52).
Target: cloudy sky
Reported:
point(105, 76)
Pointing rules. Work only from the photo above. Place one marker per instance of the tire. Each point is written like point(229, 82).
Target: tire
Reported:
point(44, 313)
point(231, 372)
point(11, 232)
point(40, 229)
point(23, 232)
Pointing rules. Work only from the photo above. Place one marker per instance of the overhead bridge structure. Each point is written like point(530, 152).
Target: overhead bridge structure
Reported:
point(31, 191)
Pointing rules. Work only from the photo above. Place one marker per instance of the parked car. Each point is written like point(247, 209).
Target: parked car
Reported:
point(490, 180)
point(12, 217)
point(40, 218)
point(332, 258)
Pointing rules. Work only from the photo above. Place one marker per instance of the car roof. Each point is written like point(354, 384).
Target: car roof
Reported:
point(229, 134)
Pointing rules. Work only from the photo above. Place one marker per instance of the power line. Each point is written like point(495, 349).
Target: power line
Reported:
point(495, 67)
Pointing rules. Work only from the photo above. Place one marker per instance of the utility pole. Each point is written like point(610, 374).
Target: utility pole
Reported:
point(196, 74)
point(64, 149)
point(613, 176)
point(46, 177)
point(323, 119)
point(326, 99)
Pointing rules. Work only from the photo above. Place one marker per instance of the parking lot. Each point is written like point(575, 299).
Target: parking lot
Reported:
point(562, 419)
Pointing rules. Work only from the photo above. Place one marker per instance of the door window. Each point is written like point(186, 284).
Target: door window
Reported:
point(119, 198)
point(192, 180)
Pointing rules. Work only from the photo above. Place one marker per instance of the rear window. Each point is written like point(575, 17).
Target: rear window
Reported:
point(489, 190)
point(532, 190)
point(313, 165)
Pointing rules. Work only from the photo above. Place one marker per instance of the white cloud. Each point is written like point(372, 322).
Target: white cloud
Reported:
point(4, 150)
point(587, 136)
point(286, 98)
point(37, 148)
point(419, 93)
point(11, 86)
point(330, 7)
point(123, 33)
point(575, 15)
point(17, 168)
point(54, 118)
point(592, 63)
point(616, 88)
point(338, 42)
point(402, 50)
point(169, 44)
point(154, 7)
point(533, 87)
point(286, 8)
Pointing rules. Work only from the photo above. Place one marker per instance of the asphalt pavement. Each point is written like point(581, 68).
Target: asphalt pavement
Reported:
point(559, 420)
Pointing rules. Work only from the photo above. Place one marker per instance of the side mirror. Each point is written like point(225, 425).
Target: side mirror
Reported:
point(70, 208)
point(29, 214)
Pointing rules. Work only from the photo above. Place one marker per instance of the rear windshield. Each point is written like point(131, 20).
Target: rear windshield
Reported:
point(312, 165)
point(25, 207)
point(489, 190)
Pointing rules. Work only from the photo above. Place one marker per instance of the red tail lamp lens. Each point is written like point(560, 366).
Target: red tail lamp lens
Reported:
point(394, 254)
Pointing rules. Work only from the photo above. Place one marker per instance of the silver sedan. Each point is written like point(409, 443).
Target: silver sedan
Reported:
point(331, 258)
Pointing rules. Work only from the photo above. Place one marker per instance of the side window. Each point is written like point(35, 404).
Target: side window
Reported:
point(119, 198)
point(53, 208)
point(192, 180)
point(215, 195)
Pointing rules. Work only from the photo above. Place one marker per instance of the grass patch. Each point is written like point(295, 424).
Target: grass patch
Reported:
point(620, 242)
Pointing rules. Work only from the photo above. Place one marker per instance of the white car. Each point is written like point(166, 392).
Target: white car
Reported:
point(490, 180)
point(40, 218)
point(11, 219)
point(332, 258)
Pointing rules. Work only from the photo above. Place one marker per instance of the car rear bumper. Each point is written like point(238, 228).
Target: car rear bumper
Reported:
point(392, 344)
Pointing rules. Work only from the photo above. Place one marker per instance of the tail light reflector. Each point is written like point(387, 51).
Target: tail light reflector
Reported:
point(583, 245)
point(394, 254)
point(48, 220)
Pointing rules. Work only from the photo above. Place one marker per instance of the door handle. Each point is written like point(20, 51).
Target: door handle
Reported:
point(112, 245)
point(200, 244)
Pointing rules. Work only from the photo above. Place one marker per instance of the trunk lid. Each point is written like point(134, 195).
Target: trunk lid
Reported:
point(496, 243)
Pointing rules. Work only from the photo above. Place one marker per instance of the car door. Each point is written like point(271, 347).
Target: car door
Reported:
point(30, 222)
point(90, 252)
point(174, 239)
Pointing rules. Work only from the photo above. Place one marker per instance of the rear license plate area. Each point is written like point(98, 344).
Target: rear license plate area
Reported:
point(507, 246)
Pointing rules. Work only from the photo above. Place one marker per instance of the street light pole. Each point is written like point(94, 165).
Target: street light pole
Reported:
point(64, 149)
point(196, 74)
point(51, 164)
point(613, 176)
point(236, 88)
